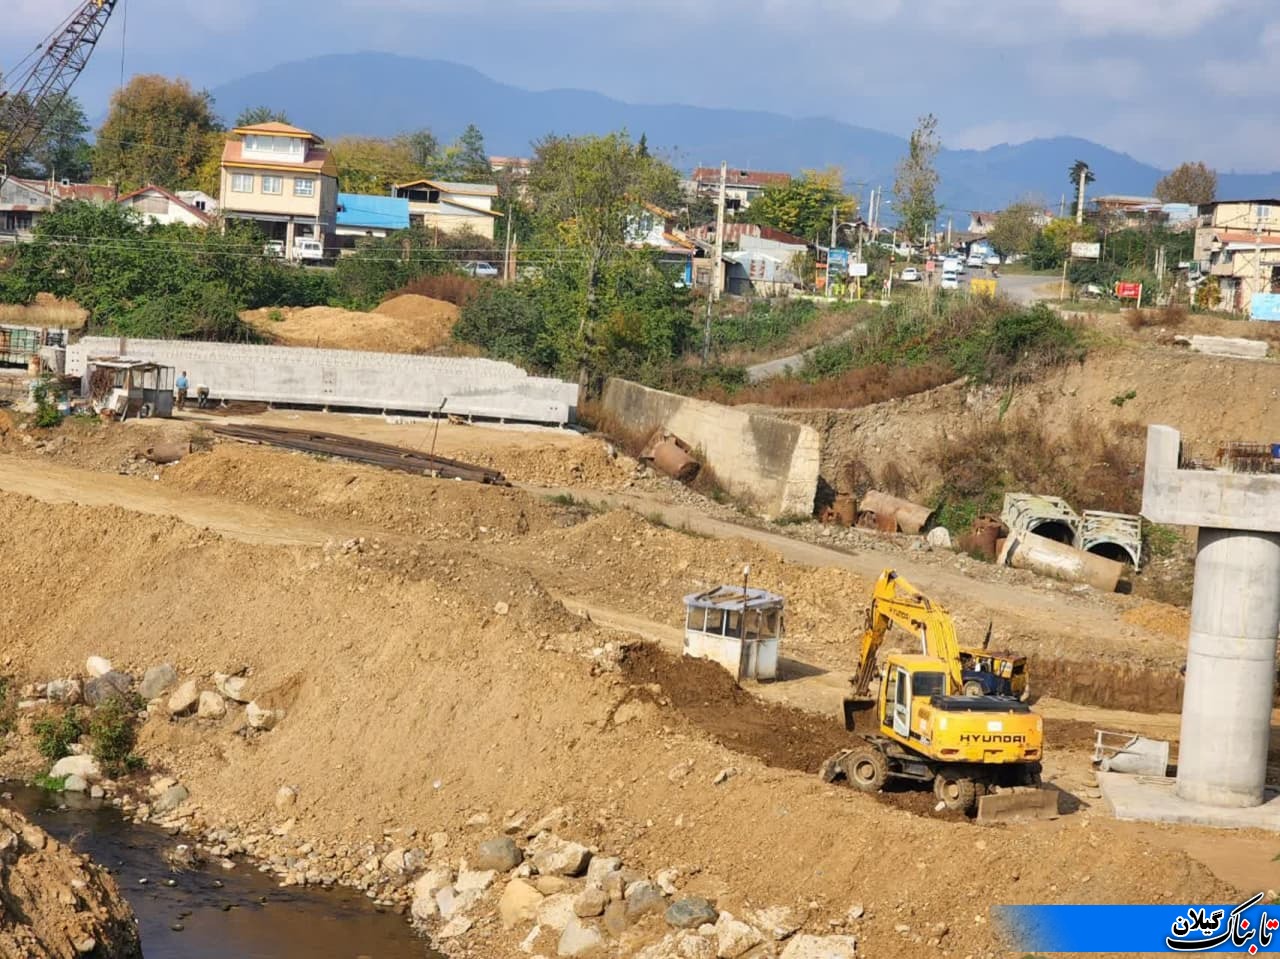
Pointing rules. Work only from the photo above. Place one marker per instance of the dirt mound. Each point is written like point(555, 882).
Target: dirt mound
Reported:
point(57, 904)
point(405, 324)
point(1160, 618)
point(400, 503)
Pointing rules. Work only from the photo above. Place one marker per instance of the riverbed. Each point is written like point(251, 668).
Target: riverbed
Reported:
point(211, 912)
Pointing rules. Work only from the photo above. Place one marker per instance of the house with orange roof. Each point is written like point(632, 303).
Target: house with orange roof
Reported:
point(281, 178)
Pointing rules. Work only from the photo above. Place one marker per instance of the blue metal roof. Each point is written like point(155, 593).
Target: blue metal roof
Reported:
point(373, 212)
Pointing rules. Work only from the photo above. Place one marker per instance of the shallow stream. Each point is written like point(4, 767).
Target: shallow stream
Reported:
point(216, 913)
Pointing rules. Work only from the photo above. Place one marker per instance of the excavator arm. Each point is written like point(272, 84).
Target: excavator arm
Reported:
point(894, 601)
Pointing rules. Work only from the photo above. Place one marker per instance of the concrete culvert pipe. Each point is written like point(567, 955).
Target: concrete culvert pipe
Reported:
point(1056, 531)
point(1050, 558)
point(1114, 552)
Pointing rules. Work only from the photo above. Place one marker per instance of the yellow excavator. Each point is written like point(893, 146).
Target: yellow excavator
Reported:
point(981, 752)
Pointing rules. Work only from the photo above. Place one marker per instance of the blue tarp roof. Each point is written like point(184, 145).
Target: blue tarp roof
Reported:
point(373, 212)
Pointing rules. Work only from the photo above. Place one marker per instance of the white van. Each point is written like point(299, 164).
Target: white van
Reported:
point(976, 260)
point(950, 280)
point(308, 250)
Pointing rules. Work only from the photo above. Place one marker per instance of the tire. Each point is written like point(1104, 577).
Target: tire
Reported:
point(974, 688)
point(1029, 775)
point(866, 769)
point(955, 791)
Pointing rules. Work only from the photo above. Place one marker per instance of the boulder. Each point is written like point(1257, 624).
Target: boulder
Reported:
point(519, 903)
point(501, 854)
point(287, 797)
point(821, 947)
point(939, 537)
point(666, 881)
point(615, 918)
point(212, 706)
point(579, 939)
point(65, 691)
point(550, 885)
point(86, 767)
point(233, 687)
point(565, 859)
point(75, 784)
point(173, 797)
point(554, 912)
point(107, 686)
point(690, 913)
point(259, 718)
point(184, 698)
point(97, 666)
point(601, 866)
point(157, 681)
point(455, 927)
point(777, 922)
point(423, 908)
point(477, 880)
point(591, 902)
point(734, 937)
point(643, 898)
point(690, 945)
point(428, 884)
point(616, 882)
point(452, 903)
point(550, 821)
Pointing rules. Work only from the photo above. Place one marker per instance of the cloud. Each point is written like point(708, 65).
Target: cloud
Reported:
point(996, 132)
point(1106, 78)
point(1168, 18)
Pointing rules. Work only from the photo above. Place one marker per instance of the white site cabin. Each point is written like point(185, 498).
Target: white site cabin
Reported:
point(738, 627)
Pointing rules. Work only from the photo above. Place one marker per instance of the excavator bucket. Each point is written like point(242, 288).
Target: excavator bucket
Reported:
point(1022, 802)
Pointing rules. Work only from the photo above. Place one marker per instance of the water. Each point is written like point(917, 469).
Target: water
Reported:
point(225, 914)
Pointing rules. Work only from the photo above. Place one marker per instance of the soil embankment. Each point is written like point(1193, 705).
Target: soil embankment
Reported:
point(404, 324)
point(56, 904)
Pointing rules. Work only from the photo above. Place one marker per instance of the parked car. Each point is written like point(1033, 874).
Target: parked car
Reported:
point(273, 248)
point(950, 281)
point(910, 275)
point(478, 268)
point(975, 260)
point(992, 260)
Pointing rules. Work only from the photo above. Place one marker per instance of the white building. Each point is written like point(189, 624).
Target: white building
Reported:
point(158, 205)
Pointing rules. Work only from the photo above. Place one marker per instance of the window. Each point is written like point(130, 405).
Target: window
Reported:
point(242, 183)
point(273, 185)
point(928, 684)
point(304, 186)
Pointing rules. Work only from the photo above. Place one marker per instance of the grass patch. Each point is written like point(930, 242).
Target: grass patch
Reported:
point(53, 784)
point(8, 706)
point(56, 734)
point(1159, 540)
point(569, 501)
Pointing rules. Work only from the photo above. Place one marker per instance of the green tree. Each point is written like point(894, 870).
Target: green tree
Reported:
point(470, 159)
point(1053, 244)
point(1188, 183)
point(155, 132)
point(1075, 173)
point(804, 205)
point(252, 116)
point(61, 149)
point(915, 187)
point(424, 149)
point(372, 165)
point(585, 190)
point(1015, 230)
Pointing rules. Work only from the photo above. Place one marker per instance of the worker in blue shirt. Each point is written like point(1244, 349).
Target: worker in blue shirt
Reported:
point(182, 390)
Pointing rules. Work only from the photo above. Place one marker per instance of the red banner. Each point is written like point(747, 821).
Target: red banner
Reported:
point(1129, 291)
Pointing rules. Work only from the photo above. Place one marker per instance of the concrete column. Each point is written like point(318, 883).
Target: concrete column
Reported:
point(290, 232)
point(1226, 711)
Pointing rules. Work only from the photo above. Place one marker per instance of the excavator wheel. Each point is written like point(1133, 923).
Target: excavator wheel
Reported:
point(955, 791)
point(866, 769)
point(974, 688)
point(1029, 775)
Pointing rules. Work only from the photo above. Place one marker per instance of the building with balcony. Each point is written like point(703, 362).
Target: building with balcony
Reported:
point(280, 178)
point(1238, 242)
point(440, 205)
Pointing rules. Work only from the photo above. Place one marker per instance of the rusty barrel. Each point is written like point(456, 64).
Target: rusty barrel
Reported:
point(984, 536)
point(843, 509)
point(674, 461)
point(891, 514)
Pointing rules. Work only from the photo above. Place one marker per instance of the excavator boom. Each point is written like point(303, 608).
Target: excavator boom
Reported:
point(894, 601)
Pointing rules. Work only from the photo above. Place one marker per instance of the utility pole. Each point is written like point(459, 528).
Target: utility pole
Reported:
point(1062, 207)
point(949, 220)
point(1080, 202)
point(834, 211)
point(713, 295)
point(506, 253)
point(1257, 251)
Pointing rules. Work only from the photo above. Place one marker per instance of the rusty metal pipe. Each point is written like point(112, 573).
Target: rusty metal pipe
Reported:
point(906, 516)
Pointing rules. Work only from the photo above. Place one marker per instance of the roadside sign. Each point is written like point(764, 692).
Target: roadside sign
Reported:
point(982, 287)
point(1129, 291)
point(1086, 251)
point(838, 262)
point(930, 266)
point(1265, 306)
point(858, 269)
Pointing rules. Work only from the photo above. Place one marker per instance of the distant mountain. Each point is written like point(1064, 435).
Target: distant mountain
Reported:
point(378, 94)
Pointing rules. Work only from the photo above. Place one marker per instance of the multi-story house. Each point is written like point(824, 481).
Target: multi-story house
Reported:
point(1239, 243)
point(447, 207)
point(281, 178)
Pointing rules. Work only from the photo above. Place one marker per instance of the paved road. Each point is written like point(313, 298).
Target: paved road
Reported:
point(1023, 288)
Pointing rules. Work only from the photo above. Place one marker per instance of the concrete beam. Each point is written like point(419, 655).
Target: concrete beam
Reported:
point(1222, 500)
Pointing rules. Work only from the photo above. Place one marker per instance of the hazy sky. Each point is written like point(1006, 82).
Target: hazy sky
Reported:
point(1164, 80)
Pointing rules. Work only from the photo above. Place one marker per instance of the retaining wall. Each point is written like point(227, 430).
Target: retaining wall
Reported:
point(349, 379)
point(765, 462)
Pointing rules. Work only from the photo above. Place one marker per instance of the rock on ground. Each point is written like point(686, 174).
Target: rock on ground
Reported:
point(644, 898)
point(184, 698)
point(579, 939)
point(171, 799)
point(591, 902)
point(501, 855)
point(107, 686)
point(212, 706)
point(778, 922)
point(97, 666)
point(65, 691)
point(519, 903)
point(259, 718)
point(601, 866)
point(554, 912)
point(233, 687)
point(36, 875)
point(690, 913)
point(86, 767)
point(157, 681)
point(821, 947)
point(734, 937)
point(565, 859)
point(75, 784)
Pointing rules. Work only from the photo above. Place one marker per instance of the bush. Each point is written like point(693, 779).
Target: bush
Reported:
point(762, 323)
point(55, 735)
point(113, 731)
point(47, 414)
point(1017, 345)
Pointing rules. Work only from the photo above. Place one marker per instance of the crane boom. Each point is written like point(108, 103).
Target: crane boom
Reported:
point(894, 601)
point(24, 109)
